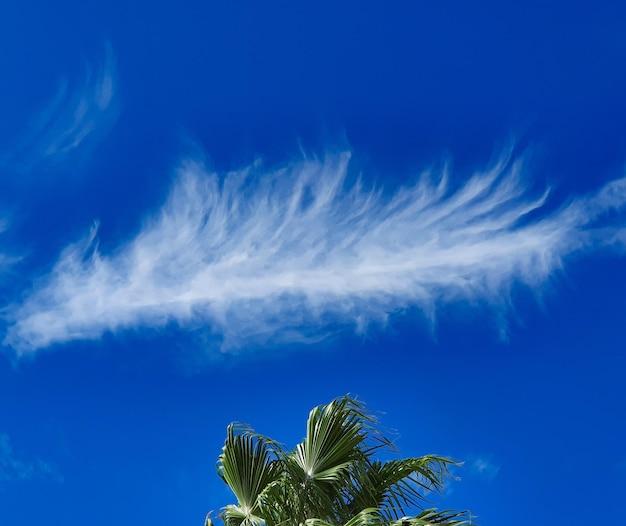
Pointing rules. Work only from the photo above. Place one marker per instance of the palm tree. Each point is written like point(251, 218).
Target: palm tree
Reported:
point(331, 478)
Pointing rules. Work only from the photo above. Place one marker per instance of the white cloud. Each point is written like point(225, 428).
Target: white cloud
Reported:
point(12, 468)
point(484, 467)
point(78, 110)
point(282, 255)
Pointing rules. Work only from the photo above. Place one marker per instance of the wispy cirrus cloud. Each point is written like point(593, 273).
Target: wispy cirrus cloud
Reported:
point(79, 110)
point(279, 256)
point(6, 260)
point(13, 468)
point(484, 467)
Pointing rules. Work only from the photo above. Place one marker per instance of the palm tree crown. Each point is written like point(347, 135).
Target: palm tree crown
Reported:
point(331, 478)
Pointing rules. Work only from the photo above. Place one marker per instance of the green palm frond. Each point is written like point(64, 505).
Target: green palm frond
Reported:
point(339, 436)
point(374, 517)
point(367, 517)
point(334, 435)
point(433, 516)
point(238, 516)
point(398, 485)
point(248, 464)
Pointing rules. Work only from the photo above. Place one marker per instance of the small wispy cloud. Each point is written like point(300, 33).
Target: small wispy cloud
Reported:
point(483, 467)
point(13, 469)
point(79, 110)
point(6, 260)
point(261, 256)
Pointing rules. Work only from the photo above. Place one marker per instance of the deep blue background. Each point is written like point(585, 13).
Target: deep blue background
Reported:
point(133, 424)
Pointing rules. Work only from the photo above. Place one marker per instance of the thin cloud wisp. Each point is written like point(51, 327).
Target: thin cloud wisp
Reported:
point(78, 110)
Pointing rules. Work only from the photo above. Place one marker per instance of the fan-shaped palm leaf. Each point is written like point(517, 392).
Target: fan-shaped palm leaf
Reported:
point(248, 464)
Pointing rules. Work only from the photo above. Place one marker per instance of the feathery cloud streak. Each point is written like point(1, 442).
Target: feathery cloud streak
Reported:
point(12, 468)
point(282, 255)
point(77, 111)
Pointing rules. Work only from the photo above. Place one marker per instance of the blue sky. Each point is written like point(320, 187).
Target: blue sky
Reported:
point(216, 212)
